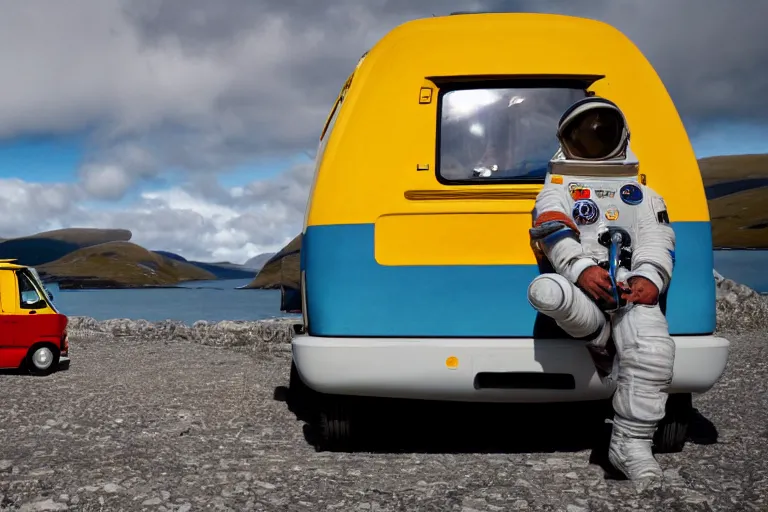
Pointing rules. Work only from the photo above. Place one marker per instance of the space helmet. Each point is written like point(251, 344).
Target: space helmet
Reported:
point(593, 128)
point(594, 140)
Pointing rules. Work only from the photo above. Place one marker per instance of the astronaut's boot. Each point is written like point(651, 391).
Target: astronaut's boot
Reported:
point(646, 355)
point(633, 456)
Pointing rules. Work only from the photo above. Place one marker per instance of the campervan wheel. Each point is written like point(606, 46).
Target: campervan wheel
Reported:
point(334, 425)
point(672, 431)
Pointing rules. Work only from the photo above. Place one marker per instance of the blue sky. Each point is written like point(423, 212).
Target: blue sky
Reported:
point(41, 159)
point(731, 139)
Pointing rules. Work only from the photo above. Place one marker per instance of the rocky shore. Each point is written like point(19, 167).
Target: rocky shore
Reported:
point(269, 334)
point(739, 307)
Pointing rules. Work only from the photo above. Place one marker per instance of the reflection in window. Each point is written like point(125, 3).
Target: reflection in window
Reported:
point(500, 134)
point(29, 296)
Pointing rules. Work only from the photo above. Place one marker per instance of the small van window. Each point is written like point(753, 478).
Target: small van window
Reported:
point(29, 298)
point(500, 135)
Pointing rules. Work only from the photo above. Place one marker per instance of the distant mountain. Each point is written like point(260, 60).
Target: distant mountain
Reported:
point(222, 270)
point(51, 251)
point(84, 237)
point(171, 255)
point(281, 269)
point(258, 261)
point(226, 270)
point(119, 265)
point(49, 246)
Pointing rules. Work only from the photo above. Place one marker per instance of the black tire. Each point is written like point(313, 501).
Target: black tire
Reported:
point(672, 432)
point(328, 416)
point(335, 425)
point(42, 359)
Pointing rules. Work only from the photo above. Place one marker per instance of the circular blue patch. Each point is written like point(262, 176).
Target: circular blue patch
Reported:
point(585, 211)
point(631, 194)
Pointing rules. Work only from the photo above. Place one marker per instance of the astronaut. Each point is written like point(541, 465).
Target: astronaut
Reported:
point(607, 237)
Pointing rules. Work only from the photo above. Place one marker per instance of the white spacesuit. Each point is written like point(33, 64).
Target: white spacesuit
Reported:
point(607, 237)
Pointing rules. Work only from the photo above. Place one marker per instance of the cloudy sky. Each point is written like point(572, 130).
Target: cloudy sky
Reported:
point(192, 122)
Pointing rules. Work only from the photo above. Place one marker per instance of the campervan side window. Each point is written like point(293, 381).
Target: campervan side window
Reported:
point(499, 135)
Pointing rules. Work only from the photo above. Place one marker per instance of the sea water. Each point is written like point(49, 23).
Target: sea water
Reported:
point(200, 300)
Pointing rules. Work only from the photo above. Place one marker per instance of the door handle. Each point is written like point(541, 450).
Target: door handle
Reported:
point(33, 312)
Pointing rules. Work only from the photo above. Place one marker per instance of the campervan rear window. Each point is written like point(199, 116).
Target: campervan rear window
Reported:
point(500, 135)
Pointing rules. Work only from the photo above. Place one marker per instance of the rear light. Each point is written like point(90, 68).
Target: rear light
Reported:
point(65, 343)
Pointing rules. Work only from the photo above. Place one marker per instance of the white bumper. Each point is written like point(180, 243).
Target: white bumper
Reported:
point(416, 368)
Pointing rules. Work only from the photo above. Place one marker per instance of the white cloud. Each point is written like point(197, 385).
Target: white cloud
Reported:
point(26, 207)
point(105, 181)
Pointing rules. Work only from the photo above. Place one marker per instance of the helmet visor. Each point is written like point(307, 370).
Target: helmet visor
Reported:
point(594, 134)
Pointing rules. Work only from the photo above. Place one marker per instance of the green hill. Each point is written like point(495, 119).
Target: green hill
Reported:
point(280, 269)
point(49, 246)
point(49, 249)
point(716, 169)
point(83, 237)
point(119, 265)
point(258, 261)
point(737, 188)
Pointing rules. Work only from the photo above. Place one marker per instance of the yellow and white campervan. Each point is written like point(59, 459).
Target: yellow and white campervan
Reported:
point(415, 257)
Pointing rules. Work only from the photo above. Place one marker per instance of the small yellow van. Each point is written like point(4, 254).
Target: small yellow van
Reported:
point(33, 333)
point(416, 258)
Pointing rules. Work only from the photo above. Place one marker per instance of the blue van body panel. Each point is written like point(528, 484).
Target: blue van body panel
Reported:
point(350, 294)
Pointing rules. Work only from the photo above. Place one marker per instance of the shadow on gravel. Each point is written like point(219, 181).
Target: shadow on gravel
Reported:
point(396, 426)
point(15, 372)
point(701, 430)
point(387, 426)
point(24, 372)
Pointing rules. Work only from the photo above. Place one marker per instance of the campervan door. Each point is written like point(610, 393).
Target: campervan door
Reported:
point(411, 231)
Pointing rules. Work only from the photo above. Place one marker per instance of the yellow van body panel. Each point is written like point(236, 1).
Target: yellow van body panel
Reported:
point(9, 293)
point(384, 134)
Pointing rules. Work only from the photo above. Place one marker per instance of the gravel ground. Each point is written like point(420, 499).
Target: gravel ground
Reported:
point(151, 425)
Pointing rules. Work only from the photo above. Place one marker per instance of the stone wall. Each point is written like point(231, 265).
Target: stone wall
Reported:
point(739, 307)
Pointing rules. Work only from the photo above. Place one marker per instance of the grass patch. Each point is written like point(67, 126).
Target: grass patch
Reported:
point(740, 219)
point(718, 169)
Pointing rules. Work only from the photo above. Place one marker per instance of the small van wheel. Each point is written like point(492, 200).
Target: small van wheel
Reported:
point(42, 359)
point(672, 431)
point(334, 425)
